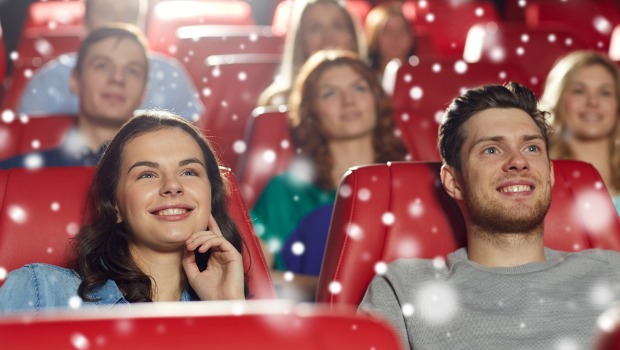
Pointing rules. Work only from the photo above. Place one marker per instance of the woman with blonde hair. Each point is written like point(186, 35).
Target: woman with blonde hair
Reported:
point(340, 117)
point(314, 25)
point(389, 35)
point(582, 92)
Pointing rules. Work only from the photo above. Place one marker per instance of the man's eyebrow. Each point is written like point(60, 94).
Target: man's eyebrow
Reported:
point(502, 138)
point(533, 137)
point(486, 139)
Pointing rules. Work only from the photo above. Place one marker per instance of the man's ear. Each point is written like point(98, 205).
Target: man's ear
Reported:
point(451, 182)
point(551, 173)
point(74, 84)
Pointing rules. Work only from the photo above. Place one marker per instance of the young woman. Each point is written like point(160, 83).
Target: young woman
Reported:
point(158, 229)
point(582, 92)
point(314, 25)
point(389, 35)
point(340, 117)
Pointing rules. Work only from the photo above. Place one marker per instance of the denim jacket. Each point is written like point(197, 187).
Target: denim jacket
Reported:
point(43, 287)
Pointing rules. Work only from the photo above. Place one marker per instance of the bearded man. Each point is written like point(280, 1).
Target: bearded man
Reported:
point(505, 290)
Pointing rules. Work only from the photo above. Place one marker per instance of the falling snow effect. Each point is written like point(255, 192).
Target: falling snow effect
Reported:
point(436, 302)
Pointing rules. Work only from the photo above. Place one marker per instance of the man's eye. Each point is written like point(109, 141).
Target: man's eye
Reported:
point(533, 148)
point(490, 150)
point(146, 176)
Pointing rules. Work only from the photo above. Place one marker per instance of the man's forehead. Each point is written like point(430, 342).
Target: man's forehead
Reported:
point(500, 122)
point(108, 47)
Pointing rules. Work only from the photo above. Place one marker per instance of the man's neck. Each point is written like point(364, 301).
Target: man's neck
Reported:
point(94, 135)
point(505, 250)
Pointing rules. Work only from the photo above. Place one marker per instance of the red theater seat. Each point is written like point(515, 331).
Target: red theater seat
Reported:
point(447, 22)
point(196, 43)
point(51, 28)
point(269, 150)
point(168, 16)
point(421, 93)
point(32, 134)
point(233, 84)
point(591, 21)
point(534, 50)
point(258, 325)
point(427, 223)
point(43, 209)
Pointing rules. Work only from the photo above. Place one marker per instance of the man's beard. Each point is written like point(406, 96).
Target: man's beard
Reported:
point(491, 216)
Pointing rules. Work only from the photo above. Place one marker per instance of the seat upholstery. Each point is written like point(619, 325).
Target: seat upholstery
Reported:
point(196, 43)
point(269, 151)
point(258, 325)
point(233, 84)
point(43, 209)
point(420, 94)
point(499, 43)
point(400, 210)
point(51, 28)
point(23, 136)
point(589, 21)
point(168, 16)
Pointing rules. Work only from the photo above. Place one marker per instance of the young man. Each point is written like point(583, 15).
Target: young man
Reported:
point(48, 91)
point(110, 79)
point(505, 289)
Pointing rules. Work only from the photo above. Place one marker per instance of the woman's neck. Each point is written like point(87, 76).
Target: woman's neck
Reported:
point(165, 270)
point(350, 153)
point(597, 153)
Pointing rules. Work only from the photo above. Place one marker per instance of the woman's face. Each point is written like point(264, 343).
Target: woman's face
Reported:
point(324, 26)
point(395, 41)
point(588, 106)
point(345, 104)
point(163, 194)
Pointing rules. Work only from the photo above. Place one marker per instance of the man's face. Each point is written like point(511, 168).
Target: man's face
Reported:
point(112, 81)
point(506, 179)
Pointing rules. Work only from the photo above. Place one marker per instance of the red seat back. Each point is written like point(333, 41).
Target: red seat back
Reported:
point(515, 43)
point(447, 22)
point(32, 134)
point(269, 150)
point(421, 93)
point(51, 28)
point(196, 43)
point(233, 84)
point(168, 16)
point(258, 325)
point(590, 21)
point(43, 209)
point(400, 210)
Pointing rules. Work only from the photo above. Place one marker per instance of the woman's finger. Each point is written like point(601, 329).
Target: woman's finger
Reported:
point(213, 225)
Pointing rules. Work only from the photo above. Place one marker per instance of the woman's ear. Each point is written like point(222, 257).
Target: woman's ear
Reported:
point(119, 218)
point(450, 179)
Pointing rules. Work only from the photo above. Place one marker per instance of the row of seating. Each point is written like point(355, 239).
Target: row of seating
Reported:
point(259, 325)
point(41, 210)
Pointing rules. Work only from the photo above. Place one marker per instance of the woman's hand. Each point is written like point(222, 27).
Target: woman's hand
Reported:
point(223, 277)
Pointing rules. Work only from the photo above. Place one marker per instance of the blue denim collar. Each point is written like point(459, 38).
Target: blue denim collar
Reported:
point(110, 294)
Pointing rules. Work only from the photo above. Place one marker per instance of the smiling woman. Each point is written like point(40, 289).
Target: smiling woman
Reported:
point(158, 229)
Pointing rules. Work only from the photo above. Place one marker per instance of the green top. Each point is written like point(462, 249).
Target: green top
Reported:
point(285, 200)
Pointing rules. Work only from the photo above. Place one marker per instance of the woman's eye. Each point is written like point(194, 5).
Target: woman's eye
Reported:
point(327, 94)
point(361, 88)
point(190, 172)
point(146, 176)
point(490, 150)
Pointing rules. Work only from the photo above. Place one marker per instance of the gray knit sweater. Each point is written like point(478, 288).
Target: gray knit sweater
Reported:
point(459, 304)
